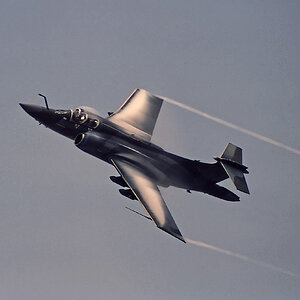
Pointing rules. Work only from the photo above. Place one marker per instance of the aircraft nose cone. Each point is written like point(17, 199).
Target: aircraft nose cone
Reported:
point(40, 113)
point(32, 109)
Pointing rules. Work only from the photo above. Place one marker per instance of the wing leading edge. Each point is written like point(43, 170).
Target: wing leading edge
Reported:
point(138, 114)
point(149, 195)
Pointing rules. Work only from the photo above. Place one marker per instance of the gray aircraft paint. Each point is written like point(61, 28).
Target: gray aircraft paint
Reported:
point(123, 140)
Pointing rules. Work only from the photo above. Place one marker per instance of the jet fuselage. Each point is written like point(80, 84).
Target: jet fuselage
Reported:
point(123, 139)
point(99, 137)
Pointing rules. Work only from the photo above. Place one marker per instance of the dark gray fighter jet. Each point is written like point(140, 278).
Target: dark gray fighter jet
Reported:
point(123, 139)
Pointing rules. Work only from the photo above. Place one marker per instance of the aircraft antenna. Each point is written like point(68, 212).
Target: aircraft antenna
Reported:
point(138, 213)
point(45, 98)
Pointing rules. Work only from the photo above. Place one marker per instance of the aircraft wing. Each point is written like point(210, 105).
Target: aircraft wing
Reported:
point(138, 114)
point(149, 195)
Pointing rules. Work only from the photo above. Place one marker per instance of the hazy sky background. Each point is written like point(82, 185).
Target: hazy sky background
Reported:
point(64, 231)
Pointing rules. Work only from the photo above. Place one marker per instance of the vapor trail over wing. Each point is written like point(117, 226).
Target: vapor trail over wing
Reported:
point(241, 257)
point(231, 125)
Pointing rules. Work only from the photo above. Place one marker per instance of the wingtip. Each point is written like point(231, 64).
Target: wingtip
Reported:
point(183, 240)
point(177, 235)
point(180, 237)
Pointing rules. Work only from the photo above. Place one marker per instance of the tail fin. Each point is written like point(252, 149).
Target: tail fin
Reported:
point(231, 161)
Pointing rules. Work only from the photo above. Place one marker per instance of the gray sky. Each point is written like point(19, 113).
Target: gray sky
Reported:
point(64, 232)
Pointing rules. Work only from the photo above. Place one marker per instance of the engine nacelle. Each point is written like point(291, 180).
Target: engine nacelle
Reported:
point(83, 140)
point(91, 143)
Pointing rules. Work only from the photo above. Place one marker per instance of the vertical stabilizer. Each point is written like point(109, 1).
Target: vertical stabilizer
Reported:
point(233, 153)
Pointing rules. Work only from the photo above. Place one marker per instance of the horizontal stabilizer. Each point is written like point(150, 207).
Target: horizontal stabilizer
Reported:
point(237, 177)
point(232, 161)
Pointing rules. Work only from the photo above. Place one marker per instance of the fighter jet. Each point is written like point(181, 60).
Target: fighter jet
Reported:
point(123, 139)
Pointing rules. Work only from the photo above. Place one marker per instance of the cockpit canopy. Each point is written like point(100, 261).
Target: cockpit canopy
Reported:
point(90, 110)
point(85, 115)
point(79, 116)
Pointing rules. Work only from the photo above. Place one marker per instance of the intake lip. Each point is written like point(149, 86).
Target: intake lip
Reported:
point(79, 139)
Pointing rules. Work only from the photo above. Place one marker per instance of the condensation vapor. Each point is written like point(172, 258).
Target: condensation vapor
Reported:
point(242, 257)
point(230, 125)
point(255, 135)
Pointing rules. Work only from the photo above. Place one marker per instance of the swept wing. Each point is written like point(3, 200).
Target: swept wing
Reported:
point(138, 114)
point(147, 192)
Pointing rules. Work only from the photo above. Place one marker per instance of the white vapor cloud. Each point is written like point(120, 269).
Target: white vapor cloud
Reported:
point(231, 125)
point(241, 257)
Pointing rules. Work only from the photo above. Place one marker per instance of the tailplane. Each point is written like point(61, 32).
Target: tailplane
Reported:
point(232, 162)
